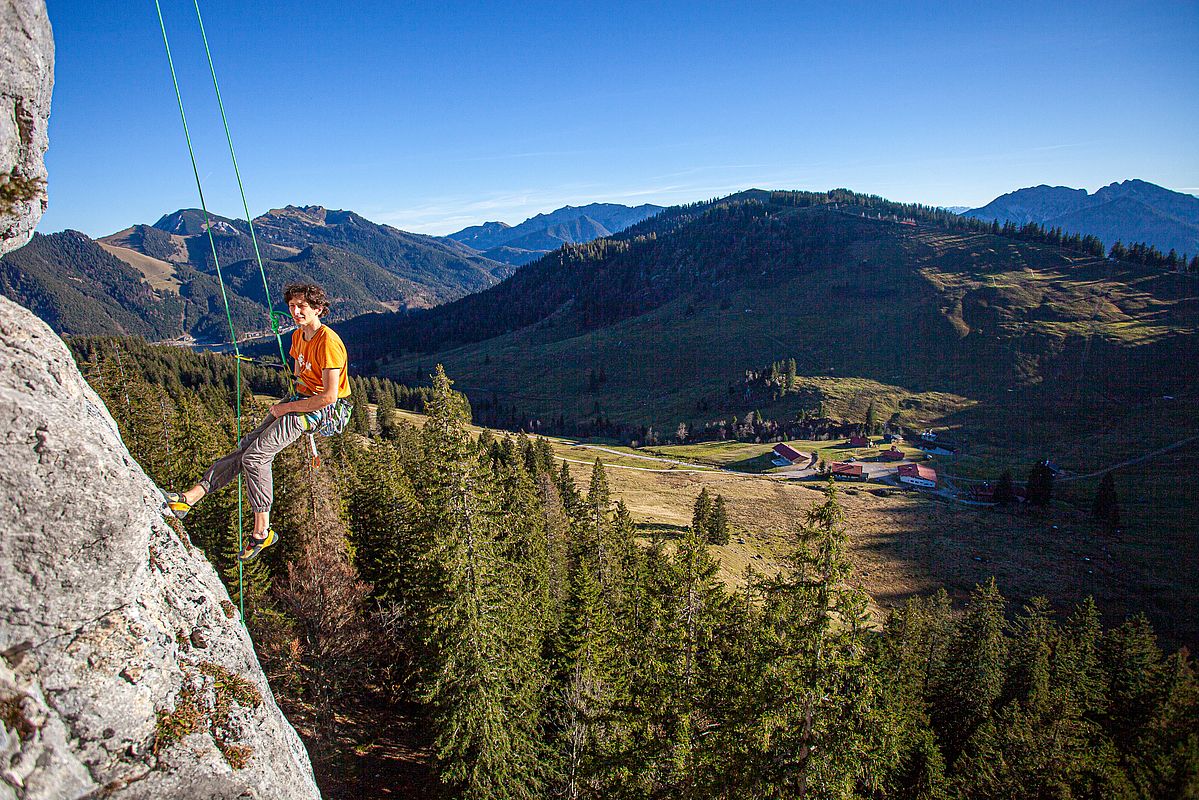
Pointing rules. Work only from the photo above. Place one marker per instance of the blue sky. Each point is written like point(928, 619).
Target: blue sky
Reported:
point(433, 116)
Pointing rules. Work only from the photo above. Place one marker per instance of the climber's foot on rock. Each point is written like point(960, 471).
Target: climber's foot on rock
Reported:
point(175, 504)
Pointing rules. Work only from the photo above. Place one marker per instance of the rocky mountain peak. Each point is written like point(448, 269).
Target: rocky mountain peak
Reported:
point(312, 215)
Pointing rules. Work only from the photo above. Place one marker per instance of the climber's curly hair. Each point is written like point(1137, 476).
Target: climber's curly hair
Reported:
point(311, 292)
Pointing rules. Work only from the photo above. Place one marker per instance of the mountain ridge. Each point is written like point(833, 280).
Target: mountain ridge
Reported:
point(159, 281)
point(1128, 211)
point(541, 233)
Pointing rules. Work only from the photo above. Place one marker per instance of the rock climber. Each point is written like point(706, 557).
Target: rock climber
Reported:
point(322, 383)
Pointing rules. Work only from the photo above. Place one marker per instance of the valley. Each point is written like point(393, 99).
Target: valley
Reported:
point(905, 543)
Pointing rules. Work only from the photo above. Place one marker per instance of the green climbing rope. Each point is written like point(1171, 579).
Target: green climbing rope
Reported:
point(241, 593)
point(271, 313)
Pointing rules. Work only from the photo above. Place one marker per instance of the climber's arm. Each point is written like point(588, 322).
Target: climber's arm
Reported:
point(327, 397)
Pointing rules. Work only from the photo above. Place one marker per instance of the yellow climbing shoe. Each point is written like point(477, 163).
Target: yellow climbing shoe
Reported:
point(175, 504)
point(255, 546)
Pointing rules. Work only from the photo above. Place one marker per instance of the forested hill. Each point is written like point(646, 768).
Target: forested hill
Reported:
point(847, 284)
point(160, 281)
point(466, 608)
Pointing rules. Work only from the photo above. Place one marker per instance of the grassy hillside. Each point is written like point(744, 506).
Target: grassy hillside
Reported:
point(906, 543)
point(926, 322)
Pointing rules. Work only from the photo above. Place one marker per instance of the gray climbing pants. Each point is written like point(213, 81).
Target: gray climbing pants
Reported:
point(253, 458)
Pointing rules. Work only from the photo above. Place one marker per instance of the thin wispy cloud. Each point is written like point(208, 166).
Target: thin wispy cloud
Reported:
point(448, 213)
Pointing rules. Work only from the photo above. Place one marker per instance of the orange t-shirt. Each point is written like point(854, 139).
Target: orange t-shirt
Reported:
point(324, 351)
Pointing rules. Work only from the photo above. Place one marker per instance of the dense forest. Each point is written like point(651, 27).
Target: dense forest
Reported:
point(545, 649)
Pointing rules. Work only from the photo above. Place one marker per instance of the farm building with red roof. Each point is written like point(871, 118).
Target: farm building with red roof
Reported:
point(918, 475)
point(785, 455)
point(841, 469)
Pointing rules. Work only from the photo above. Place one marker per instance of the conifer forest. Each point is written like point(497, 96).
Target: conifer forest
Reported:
point(514, 631)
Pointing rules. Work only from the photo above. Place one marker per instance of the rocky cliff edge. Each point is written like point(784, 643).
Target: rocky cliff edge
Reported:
point(125, 671)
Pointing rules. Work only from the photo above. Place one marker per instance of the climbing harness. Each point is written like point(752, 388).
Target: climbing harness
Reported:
point(273, 316)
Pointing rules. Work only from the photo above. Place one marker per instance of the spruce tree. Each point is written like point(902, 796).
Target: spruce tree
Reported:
point(360, 417)
point(684, 651)
point(597, 523)
point(1005, 491)
point(545, 456)
point(1040, 485)
point(483, 681)
point(718, 524)
point(973, 675)
point(586, 684)
point(568, 490)
point(382, 510)
point(385, 413)
point(811, 659)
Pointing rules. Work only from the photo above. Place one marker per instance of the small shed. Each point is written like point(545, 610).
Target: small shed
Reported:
point(894, 454)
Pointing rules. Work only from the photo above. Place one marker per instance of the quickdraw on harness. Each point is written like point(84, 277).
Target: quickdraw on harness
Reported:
point(276, 318)
point(328, 421)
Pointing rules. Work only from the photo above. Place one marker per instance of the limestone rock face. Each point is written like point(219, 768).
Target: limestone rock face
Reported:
point(26, 79)
point(124, 668)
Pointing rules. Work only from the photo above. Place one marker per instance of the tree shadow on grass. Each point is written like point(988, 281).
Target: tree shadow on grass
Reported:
point(756, 465)
point(661, 530)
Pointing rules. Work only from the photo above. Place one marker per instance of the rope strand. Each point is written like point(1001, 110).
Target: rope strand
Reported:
point(241, 594)
point(237, 173)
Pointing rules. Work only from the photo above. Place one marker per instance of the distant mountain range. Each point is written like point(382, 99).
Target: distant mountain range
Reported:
point(536, 236)
point(159, 281)
point(1130, 211)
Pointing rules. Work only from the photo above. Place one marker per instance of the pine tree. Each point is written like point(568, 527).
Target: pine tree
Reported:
point(871, 420)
